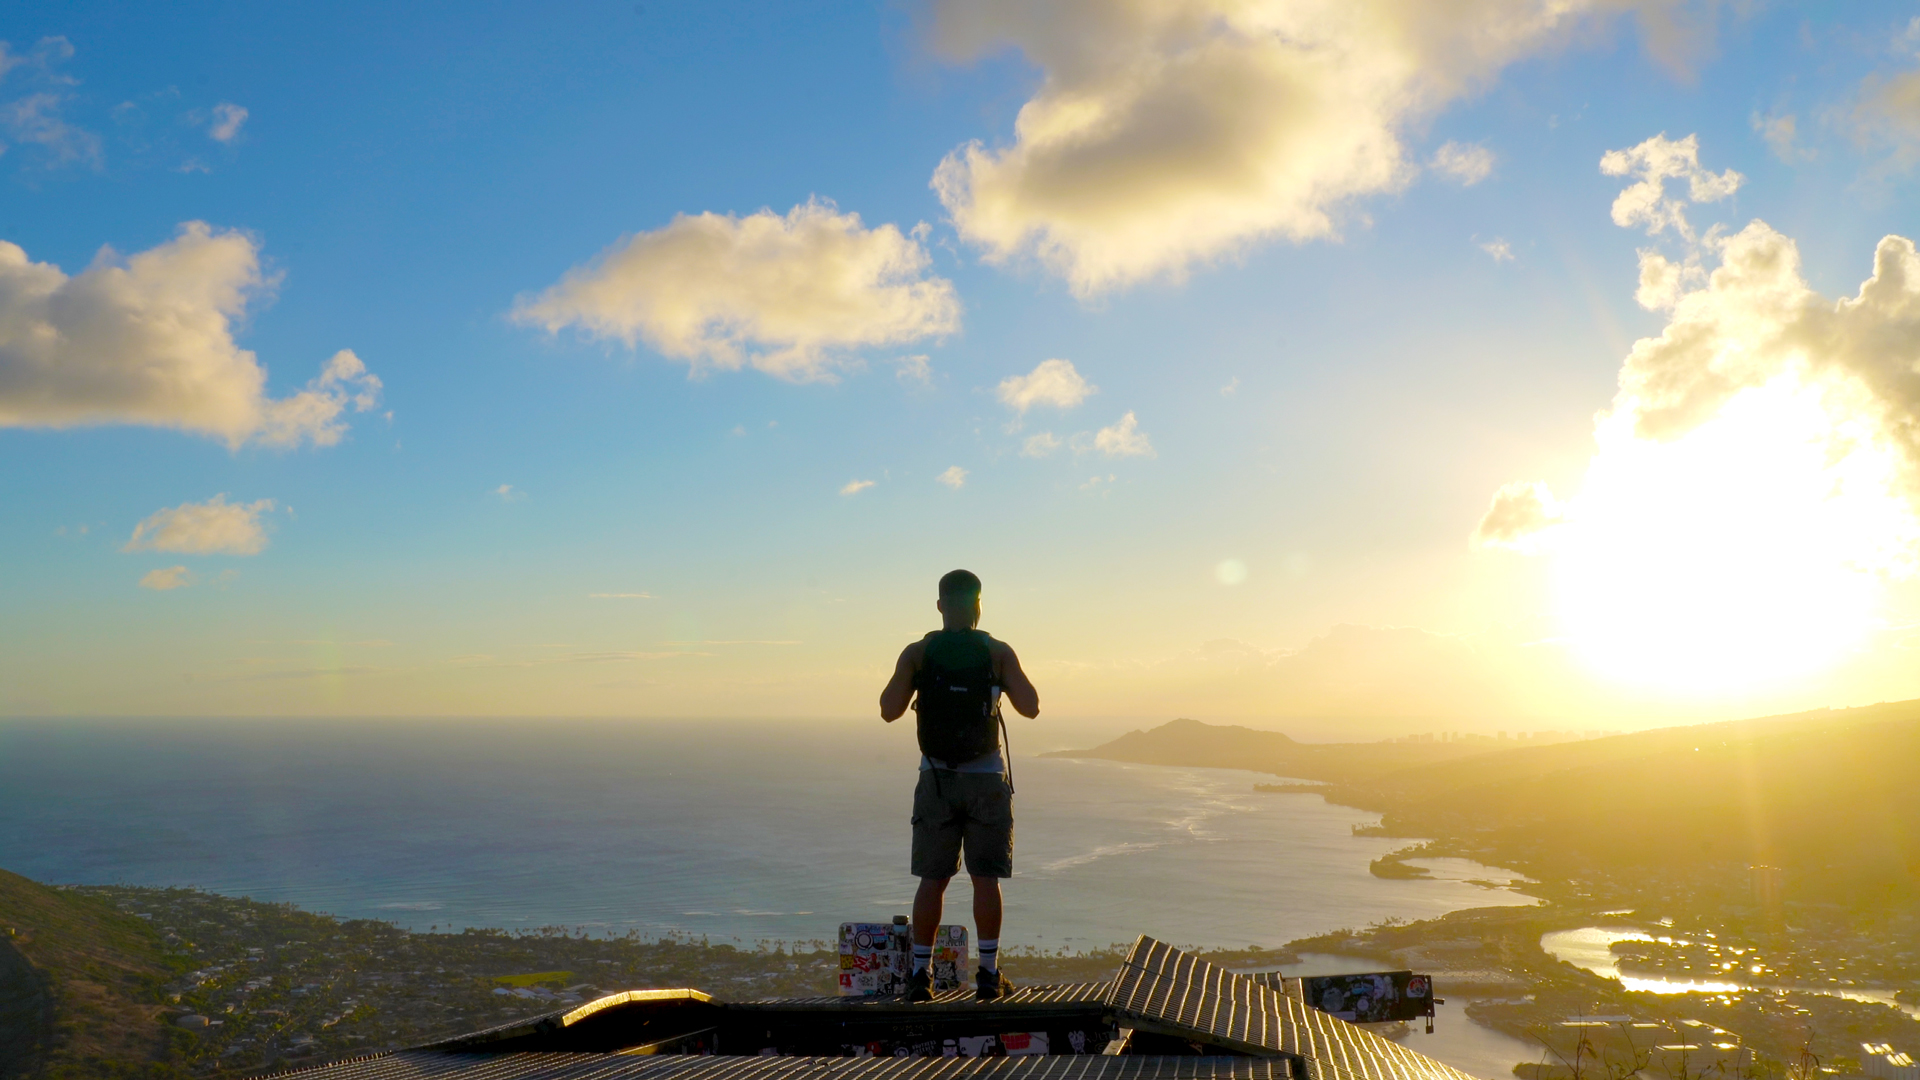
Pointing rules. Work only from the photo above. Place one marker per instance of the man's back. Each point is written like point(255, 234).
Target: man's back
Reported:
point(1007, 673)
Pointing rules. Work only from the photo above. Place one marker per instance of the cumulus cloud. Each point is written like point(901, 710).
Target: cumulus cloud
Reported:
point(149, 340)
point(1654, 162)
point(1465, 163)
point(1757, 472)
point(214, 527)
point(1166, 133)
point(1123, 439)
point(1663, 281)
point(955, 477)
point(1051, 382)
point(1521, 517)
point(789, 294)
point(225, 125)
point(171, 577)
point(1498, 249)
point(855, 487)
point(1756, 321)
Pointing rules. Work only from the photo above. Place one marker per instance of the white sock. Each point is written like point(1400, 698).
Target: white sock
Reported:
point(922, 956)
point(989, 954)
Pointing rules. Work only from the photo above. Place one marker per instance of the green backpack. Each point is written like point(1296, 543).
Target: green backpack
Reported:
point(956, 704)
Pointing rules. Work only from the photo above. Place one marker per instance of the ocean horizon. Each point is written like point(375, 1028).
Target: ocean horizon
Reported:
point(745, 832)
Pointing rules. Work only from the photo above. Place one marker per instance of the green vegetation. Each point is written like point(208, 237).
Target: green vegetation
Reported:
point(1394, 866)
point(117, 981)
point(538, 978)
point(80, 987)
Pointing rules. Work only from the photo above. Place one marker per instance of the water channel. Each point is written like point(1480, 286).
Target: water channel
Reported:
point(1591, 947)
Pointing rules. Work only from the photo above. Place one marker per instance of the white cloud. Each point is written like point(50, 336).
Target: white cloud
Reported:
point(791, 295)
point(1465, 163)
point(1499, 249)
point(172, 577)
point(45, 53)
point(1039, 445)
point(1522, 517)
point(1755, 320)
point(1123, 439)
point(1781, 130)
point(148, 340)
point(214, 527)
point(1166, 133)
point(1232, 387)
point(1654, 162)
point(917, 370)
point(1051, 382)
point(1663, 281)
point(1756, 478)
point(35, 119)
point(855, 487)
point(509, 493)
point(955, 477)
point(225, 125)
point(1887, 111)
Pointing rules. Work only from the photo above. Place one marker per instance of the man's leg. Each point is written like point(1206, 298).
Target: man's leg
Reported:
point(927, 903)
point(986, 907)
point(986, 920)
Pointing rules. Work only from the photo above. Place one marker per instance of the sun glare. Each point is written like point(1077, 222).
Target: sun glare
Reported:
point(1746, 553)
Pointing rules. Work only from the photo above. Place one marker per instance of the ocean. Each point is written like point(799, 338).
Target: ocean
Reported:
point(739, 832)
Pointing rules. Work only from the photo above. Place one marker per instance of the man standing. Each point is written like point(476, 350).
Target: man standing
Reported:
point(964, 798)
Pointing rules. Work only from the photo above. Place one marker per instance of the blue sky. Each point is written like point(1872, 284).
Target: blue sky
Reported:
point(1328, 414)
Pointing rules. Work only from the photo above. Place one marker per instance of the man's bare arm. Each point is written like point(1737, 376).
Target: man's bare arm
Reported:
point(1019, 690)
point(899, 691)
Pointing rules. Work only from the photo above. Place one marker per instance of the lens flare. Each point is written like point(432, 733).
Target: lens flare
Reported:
point(1748, 552)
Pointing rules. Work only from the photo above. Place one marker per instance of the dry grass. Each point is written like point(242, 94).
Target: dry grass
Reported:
point(99, 969)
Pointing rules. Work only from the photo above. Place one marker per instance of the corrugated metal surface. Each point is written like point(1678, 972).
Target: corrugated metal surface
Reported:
point(1062, 994)
point(425, 1064)
point(1164, 989)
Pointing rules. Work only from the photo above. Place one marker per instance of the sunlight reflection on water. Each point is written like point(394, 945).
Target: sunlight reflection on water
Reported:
point(1590, 947)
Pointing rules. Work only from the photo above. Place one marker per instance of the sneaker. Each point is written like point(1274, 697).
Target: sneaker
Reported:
point(920, 985)
point(991, 985)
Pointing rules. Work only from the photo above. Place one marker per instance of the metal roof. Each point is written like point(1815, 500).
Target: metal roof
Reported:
point(1163, 989)
point(1092, 993)
point(425, 1064)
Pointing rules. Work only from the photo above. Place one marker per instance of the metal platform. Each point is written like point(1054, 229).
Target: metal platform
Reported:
point(1167, 1015)
point(439, 1065)
point(1164, 990)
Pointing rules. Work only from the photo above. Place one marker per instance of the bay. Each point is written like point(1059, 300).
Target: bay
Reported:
point(739, 831)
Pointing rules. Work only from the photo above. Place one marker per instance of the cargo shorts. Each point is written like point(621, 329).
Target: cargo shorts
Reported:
point(955, 809)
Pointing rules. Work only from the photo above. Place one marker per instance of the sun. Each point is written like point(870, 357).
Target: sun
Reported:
point(1748, 553)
